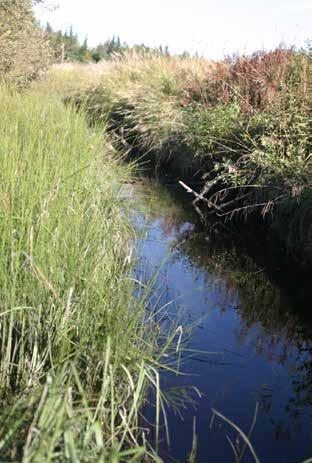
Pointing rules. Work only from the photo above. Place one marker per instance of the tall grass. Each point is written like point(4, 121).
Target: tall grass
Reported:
point(77, 347)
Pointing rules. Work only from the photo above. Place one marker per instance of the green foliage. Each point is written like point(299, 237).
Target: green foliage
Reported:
point(276, 163)
point(215, 133)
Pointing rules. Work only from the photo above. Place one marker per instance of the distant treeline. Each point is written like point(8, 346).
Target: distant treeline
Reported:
point(67, 47)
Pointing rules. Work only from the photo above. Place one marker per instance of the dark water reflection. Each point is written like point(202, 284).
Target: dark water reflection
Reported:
point(255, 321)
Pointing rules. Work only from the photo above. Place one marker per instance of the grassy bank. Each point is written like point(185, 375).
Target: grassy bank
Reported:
point(239, 129)
point(78, 349)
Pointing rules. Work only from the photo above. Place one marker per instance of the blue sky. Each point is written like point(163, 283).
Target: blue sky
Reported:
point(211, 27)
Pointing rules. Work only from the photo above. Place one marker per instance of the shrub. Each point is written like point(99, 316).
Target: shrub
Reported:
point(24, 49)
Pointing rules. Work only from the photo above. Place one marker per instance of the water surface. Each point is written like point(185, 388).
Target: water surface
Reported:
point(257, 326)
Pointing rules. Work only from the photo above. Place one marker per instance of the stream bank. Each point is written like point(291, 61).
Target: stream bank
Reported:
point(241, 127)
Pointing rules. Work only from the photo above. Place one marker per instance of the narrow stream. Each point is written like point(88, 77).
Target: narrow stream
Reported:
point(261, 347)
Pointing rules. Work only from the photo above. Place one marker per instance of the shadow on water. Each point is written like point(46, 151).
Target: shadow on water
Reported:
point(250, 308)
